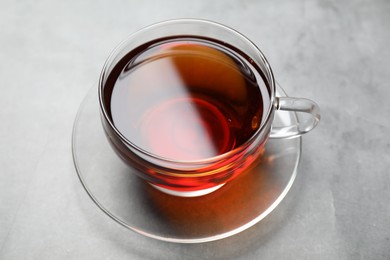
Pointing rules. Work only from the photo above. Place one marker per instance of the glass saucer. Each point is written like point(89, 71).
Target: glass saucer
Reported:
point(136, 205)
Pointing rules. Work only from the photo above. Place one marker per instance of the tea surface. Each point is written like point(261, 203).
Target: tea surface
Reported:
point(186, 98)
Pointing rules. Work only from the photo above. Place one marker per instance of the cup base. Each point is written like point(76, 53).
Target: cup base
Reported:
point(195, 193)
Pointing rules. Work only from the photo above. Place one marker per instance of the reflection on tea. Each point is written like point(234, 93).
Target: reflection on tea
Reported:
point(185, 98)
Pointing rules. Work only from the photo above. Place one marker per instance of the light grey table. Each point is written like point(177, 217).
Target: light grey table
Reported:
point(334, 52)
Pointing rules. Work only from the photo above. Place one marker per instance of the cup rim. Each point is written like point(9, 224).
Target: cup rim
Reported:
point(212, 159)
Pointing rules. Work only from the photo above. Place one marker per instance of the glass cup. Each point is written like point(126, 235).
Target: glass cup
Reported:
point(187, 176)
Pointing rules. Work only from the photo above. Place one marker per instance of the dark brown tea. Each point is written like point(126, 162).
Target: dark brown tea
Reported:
point(186, 98)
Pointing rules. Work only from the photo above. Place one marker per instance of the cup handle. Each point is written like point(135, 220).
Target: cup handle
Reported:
point(300, 105)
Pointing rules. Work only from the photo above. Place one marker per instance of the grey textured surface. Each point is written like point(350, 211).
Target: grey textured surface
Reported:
point(334, 52)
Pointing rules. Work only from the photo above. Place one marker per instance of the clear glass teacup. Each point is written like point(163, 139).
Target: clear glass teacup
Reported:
point(190, 104)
